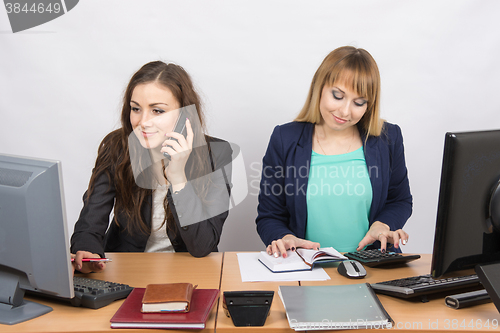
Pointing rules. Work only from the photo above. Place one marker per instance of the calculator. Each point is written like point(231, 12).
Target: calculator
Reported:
point(375, 257)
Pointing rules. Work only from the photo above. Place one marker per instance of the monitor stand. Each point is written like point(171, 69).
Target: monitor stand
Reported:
point(13, 308)
point(489, 275)
point(11, 315)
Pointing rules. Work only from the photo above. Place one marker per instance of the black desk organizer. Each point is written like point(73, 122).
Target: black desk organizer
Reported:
point(248, 308)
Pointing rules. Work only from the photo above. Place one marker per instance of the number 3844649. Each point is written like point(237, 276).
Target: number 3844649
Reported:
point(24, 7)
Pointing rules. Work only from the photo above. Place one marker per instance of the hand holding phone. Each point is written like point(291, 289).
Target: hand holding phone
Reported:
point(180, 127)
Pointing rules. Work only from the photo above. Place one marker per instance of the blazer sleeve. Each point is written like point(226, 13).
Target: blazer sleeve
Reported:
point(398, 205)
point(273, 217)
point(94, 217)
point(200, 221)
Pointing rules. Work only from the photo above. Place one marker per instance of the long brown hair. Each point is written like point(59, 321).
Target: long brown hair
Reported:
point(357, 69)
point(114, 157)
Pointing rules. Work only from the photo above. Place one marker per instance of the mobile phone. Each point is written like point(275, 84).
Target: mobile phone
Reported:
point(180, 127)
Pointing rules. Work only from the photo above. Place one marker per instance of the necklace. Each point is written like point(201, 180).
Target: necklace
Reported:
point(324, 153)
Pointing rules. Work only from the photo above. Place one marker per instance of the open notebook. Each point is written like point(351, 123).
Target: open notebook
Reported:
point(300, 260)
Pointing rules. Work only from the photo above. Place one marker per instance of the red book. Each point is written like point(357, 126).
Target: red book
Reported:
point(129, 314)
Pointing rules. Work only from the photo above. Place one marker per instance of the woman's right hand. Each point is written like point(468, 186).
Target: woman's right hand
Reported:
point(280, 246)
point(179, 148)
point(87, 267)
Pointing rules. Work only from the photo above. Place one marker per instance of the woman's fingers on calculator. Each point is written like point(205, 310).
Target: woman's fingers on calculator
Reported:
point(397, 237)
point(383, 242)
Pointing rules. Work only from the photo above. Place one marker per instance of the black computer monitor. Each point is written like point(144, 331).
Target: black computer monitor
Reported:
point(469, 196)
point(34, 245)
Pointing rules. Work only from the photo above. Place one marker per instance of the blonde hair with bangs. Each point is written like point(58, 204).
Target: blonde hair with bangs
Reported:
point(356, 69)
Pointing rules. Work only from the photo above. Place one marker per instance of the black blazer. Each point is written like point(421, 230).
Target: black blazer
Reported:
point(199, 239)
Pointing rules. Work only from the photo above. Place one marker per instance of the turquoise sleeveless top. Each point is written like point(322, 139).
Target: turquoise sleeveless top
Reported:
point(339, 196)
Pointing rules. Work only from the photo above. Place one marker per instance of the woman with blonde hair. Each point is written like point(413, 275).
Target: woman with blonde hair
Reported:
point(336, 176)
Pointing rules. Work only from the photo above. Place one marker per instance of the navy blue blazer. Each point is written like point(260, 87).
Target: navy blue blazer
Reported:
point(282, 205)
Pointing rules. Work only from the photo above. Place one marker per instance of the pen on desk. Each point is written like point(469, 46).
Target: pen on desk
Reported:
point(93, 259)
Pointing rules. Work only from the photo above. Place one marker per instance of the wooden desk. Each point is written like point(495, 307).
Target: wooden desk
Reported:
point(139, 269)
point(136, 270)
point(413, 315)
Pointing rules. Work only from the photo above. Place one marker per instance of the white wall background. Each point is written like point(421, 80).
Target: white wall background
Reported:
point(61, 83)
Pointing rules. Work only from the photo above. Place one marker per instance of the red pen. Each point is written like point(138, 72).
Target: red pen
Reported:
point(93, 259)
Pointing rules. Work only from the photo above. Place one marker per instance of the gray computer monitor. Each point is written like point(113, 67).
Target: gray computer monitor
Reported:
point(34, 245)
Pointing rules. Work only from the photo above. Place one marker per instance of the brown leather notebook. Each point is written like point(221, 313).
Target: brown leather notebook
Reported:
point(167, 297)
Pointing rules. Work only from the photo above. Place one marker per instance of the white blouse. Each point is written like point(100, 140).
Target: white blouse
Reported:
point(158, 241)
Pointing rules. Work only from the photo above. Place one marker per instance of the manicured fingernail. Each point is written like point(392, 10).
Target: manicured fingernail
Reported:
point(293, 248)
point(383, 251)
point(404, 241)
point(270, 253)
point(276, 254)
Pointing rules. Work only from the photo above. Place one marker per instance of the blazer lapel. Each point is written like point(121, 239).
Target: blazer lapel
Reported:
point(373, 163)
point(302, 164)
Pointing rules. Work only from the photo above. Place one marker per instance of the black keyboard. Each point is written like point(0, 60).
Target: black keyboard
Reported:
point(424, 285)
point(373, 258)
point(95, 294)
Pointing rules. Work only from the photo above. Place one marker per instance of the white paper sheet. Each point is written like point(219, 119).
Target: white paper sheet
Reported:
point(252, 270)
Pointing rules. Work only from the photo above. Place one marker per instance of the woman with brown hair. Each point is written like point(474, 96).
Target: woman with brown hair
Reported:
point(336, 176)
point(167, 191)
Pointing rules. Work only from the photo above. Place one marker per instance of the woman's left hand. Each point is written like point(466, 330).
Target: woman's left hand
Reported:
point(179, 151)
point(381, 232)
